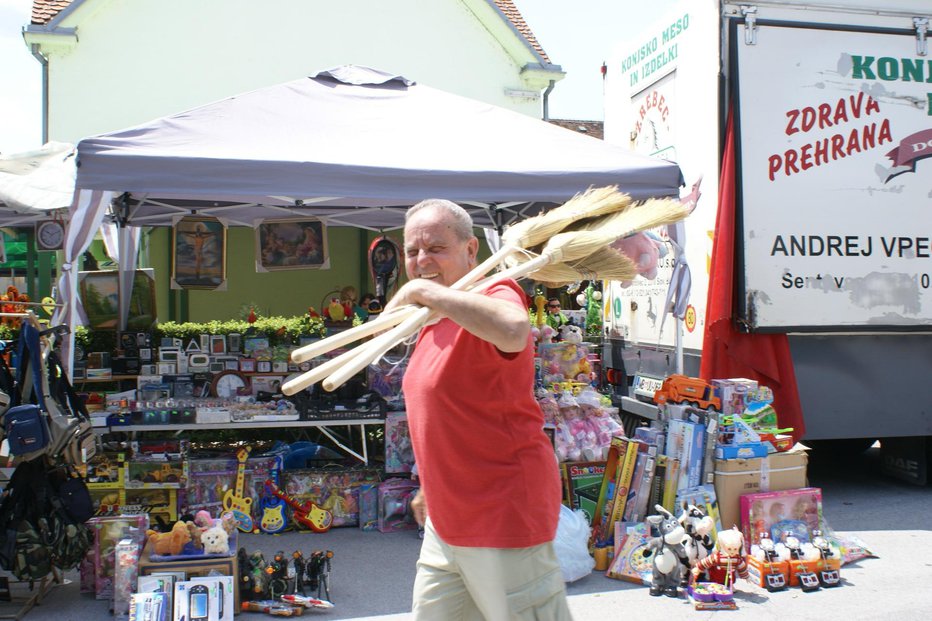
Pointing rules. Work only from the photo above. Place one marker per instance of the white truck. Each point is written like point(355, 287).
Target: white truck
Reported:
point(833, 118)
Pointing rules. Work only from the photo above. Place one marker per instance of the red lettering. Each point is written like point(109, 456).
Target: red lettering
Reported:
point(824, 111)
point(838, 144)
point(774, 163)
point(872, 105)
point(791, 128)
point(821, 152)
point(885, 135)
point(854, 146)
point(809, 118)
point(856, 107)
point(789, 159)
point(805, 161)
point(868, 134)
point(841, 112)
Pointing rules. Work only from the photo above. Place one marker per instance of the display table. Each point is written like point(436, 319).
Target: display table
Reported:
point(323, 425)
point(227, 565)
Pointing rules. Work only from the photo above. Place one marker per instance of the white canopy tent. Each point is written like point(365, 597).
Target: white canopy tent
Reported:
point(353, 146)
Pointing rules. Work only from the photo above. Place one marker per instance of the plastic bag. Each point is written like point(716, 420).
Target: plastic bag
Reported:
point(572, 545)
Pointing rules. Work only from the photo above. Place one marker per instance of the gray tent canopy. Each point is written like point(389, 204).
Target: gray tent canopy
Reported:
point(355, 146)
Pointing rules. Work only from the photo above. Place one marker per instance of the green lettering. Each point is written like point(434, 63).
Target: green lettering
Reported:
point(861, 68)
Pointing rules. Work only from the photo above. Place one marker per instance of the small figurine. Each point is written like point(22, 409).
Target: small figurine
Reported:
point(277, 571)
point(317, 573)
point(726, 560)
point(669, 553)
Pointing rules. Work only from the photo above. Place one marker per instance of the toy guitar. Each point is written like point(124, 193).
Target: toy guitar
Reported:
point(236, 502)
point(273, 511)
point(307, 514)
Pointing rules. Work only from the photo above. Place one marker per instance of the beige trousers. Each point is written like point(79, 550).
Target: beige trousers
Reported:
point(454, 583)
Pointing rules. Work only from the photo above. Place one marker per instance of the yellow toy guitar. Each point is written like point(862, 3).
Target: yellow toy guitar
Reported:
point(237, 503)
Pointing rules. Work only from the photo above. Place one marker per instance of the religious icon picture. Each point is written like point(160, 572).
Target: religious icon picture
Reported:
point(291, 244)
point(199, 259)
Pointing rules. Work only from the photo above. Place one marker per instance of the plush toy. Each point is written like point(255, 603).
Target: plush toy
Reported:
point(195, 531)
point(699, 528)
point(645, 249)
point(668, 553)
point(216, 540)
point(571, 334)
point(170, 543)
point(228, 522)
point(202, 518)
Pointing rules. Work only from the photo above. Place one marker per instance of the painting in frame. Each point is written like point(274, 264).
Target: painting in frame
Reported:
point(291, 244)
point(100, 298)
point(199, 253)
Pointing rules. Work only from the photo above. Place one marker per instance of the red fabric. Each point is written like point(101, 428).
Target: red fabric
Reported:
point(726, 352)
point(487, 470)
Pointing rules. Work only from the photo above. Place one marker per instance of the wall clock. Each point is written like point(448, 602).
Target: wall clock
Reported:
point(227, 384)
point(50, 235)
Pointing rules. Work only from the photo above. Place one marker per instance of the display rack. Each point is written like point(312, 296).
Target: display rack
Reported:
point(322, 425)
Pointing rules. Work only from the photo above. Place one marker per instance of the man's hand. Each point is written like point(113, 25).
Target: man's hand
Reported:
point(419, 508)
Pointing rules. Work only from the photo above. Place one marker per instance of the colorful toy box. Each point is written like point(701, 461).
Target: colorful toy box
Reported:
point(564, 362)
point(795, 512)
point(336, 491)
point(395, 497)
point(582, 481)
point(156, 474)
point(157, 503)
point(771, 575)
point(369, 506)
point(108, 532)
point(210, 479)
point(399, 453)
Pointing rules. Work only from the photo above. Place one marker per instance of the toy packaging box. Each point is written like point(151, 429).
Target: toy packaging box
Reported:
point(108, 532)
point(157, 503)
point(776, 472)
point(384, 377)
point(399, 453)
point(394, 505)
point(336, 491)
point(196, 566)
point(221, 587)
point(126, 557)
point(209, 480)
point(156, 474)
point(582, 481)
point(369, 506)
point(563, 362)
point(629, 563)
point(795, 512)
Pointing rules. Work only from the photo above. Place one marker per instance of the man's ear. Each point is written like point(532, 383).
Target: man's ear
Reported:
point(472, 246)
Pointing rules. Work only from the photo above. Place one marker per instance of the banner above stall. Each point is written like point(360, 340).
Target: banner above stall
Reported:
point(353, 146)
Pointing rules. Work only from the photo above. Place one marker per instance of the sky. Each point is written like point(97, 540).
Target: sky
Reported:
point(578, 35)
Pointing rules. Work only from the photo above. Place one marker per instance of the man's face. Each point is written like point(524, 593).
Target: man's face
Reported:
point(433, 251)
point(553, 307)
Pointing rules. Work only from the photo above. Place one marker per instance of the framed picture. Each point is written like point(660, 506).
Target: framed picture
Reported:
point(218, 344)
point(291, 244)
point(269, 383)
point(142, 313)
point(257, 347)
point(145, 353)
point(204, 340)
point(247, 365)
point(233, 342)
point(263, 366)
point(199, 253)
point(100, 296)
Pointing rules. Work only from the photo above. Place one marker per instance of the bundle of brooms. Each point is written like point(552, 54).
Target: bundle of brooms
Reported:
point(567, 244)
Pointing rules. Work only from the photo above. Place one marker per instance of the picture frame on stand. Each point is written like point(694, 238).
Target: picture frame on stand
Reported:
point(199, 253)
point(291, 244)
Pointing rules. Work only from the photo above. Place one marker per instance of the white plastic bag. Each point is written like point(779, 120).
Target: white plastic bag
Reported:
point(572, 545)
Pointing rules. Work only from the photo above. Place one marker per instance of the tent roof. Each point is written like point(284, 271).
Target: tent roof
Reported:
point(34, 184)
point(355, 145)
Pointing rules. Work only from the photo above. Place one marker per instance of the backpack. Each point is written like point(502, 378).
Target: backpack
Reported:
point(38, 531)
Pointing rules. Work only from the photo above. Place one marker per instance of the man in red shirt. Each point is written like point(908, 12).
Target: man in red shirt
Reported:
point(490, 487)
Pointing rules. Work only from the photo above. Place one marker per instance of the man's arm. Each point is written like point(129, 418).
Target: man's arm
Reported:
point(501, 323)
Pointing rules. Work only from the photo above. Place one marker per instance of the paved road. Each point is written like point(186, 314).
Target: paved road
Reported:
point(373, 572)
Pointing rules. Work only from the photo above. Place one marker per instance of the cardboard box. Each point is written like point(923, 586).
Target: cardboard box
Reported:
point(776, 472)
point(227, 566)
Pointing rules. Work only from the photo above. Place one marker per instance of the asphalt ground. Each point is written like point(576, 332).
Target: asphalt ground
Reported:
point(373, 572)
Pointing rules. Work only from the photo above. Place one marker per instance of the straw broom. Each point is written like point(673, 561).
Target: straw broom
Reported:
point(567, 246)
point(525, 234)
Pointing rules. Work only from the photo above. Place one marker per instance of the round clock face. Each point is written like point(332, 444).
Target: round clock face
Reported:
point(50, 235)
point(227, 383)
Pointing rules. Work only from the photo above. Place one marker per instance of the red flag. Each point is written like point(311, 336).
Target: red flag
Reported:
point(726, 352)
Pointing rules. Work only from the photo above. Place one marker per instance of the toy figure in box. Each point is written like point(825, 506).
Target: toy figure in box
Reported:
point(727, 561)
point(399, 454)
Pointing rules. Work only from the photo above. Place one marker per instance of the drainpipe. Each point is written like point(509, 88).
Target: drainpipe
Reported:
point(45, 90)
point(547, 100)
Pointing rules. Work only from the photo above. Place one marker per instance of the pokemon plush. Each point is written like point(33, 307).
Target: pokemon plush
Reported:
point(170, 543)
point(216, 540)
point(645, 249)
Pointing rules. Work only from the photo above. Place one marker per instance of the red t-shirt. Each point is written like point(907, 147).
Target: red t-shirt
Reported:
point(488, 471)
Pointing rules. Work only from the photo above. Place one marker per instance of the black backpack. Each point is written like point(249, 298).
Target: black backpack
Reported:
point(42, 514)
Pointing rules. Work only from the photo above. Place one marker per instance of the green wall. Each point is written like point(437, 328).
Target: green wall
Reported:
point(286, 293)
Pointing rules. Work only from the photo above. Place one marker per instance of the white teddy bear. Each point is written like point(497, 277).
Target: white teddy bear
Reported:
point(571, 334)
